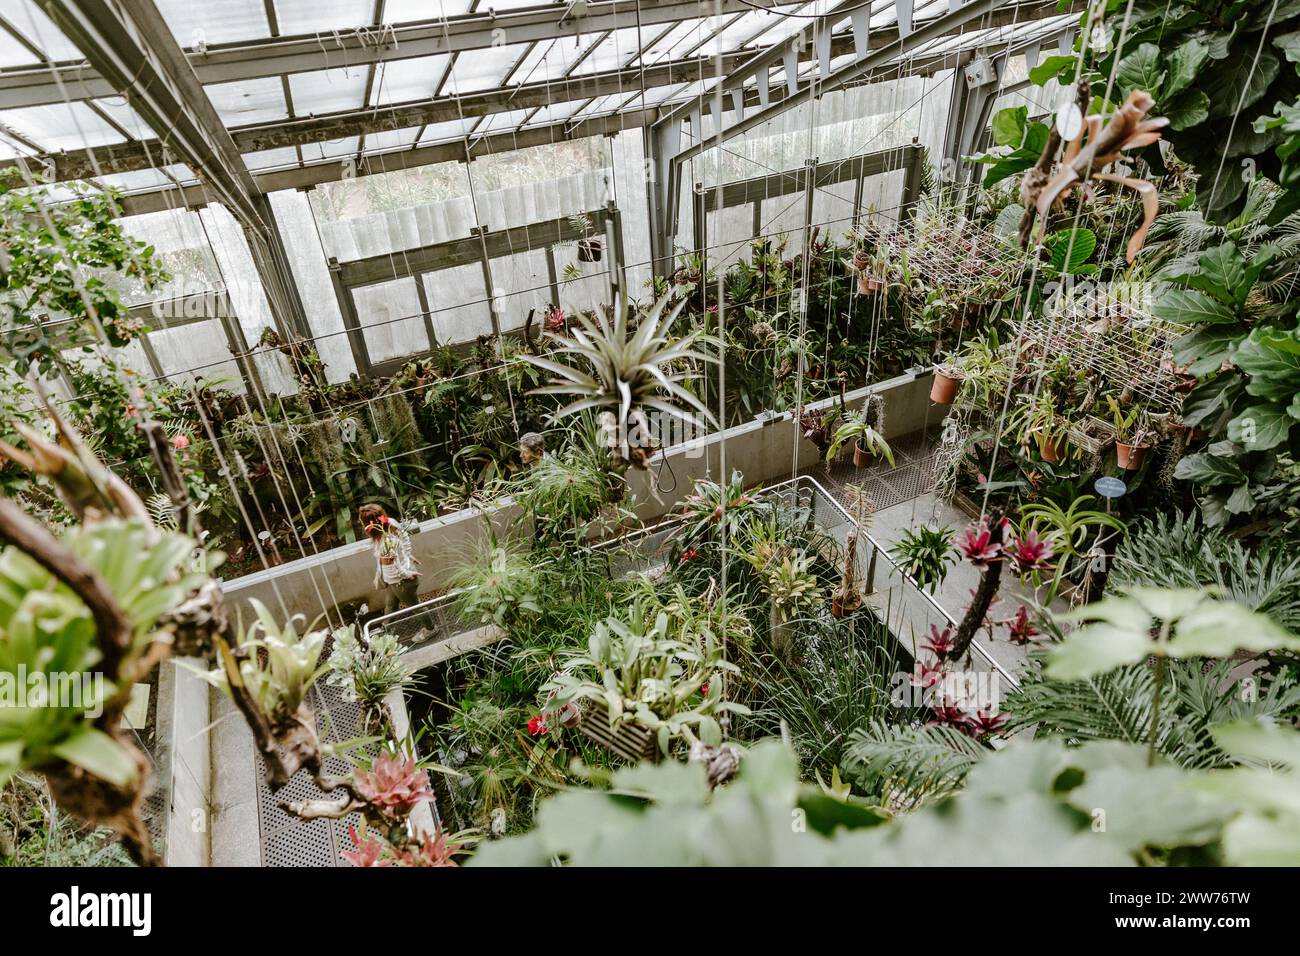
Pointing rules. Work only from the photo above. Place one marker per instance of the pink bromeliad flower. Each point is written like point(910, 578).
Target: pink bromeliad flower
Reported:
point(1020, 629)
point(926, 675)
point(946, 715)
point(940, 642)
point(554, 321)
point(1030, 552)
point(369, 853)
point(394, 786)
point(985, 723)
point(977, 544)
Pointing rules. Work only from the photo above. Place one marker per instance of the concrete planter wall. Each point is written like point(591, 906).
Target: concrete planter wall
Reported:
point(762, 451)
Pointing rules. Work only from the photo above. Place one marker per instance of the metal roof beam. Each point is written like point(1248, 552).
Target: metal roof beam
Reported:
point(223, 63)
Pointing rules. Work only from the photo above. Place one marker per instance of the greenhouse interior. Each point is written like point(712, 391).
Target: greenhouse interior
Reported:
point(627, 433)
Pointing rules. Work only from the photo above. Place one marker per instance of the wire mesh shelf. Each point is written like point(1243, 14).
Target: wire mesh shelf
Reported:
point(1111, 331)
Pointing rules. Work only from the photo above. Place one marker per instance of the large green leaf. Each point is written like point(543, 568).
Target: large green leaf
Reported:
point(1261, 427)
point(1184, 63)
point(1271, 357)
point(1009, 126)
point(97, 753)
point(1140, 70)
point(1191, 307)
point(1207, 469)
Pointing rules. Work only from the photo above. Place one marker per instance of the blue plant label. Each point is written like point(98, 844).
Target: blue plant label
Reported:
point(1110, 487)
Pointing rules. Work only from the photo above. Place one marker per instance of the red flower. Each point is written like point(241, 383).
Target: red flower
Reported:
point(1020, 629)
point(940, 642)
point(984, 723)
point(948, 716)
point(180, 441)
point(704, 689)
point(554, 321)
point(537, 725)
point(393, 786)
point(926, 675)
point(977, 543)
point(1030, 552)
point(690, 554)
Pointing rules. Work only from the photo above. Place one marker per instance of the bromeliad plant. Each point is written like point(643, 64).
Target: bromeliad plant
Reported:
point(629, 367)
point(367, 673)
point(649, 671)
point(926, 554)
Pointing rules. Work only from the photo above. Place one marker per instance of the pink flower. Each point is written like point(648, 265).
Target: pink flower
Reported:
point(977, 543)
point(180, 441)
point(428, 852)
point(393, 786)
point(1020, 630)
point(1030, 552)
point(985, 723)
point(554, 321)
point(940, 642)
point(926, 675)
point(370, 853)
point(537, 725)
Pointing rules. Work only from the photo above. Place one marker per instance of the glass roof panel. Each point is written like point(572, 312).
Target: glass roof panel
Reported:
point(15, 53)
point(482, 69)
point(404, 11)
point(328, 91)
point(321, 16)
point(61, 126)
point(316, 152)
point(271, 158)
point(614, 51)
point(450, 130)
point(390, 139)
point(194, 23)
point(400, 81)
point(32, 23)
point(552, 59)
point(687, 31)
point(555, 113)
point(121, 113)
point(246, 102)
point(501, 122)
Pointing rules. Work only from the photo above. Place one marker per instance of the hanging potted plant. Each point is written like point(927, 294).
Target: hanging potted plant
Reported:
point(1036, 419)
point(871, 269)
point(589, 246)
point(948, 377)
point(1132, 436)
point(868, 443)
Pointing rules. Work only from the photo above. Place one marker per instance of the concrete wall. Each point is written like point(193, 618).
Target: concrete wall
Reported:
point(184, 720)
point(763, 451)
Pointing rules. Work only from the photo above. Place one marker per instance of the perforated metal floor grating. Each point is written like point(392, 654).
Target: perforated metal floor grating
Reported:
point(287, 840)
point(911, 476)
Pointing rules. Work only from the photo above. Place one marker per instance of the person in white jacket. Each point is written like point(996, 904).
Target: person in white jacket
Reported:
point(394, 565)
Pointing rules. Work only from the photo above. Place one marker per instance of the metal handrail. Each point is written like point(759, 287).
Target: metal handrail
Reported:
point(794, 484)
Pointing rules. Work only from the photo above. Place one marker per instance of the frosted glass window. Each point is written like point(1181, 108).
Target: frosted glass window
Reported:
point(482, 69)
point(405, 11)
point(271, 158)
point(520, 282)
point(390, 139)
point(448, 131)
point(32, 23)
point(336, 149)
point(120, 111)
point(391, 319)
point(192, 23)
point(61, 126)
point(197, 350)
point(553, 59)
point(328, 91)
point(246, 102)
point(614, 51)
point(458, 303)
point(321, 16)
point(401, 81)
point(505, 122)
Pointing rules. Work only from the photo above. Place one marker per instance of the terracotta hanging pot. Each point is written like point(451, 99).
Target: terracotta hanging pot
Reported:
point(869, 284)
point(943, 391)
point(861, 457)
point(840, 608)
point(1130, 457)
point(1049, 449)
point(589, 250)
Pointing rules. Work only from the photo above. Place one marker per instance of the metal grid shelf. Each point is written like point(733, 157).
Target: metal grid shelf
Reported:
point(1114, 334)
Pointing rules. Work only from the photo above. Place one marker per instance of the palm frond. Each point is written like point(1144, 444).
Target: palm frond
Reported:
point(908, 765)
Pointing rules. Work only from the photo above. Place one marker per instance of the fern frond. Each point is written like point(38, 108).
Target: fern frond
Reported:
point(908, 765)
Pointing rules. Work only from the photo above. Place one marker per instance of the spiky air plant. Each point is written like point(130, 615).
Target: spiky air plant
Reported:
point(1098, 143)
point(635, 367)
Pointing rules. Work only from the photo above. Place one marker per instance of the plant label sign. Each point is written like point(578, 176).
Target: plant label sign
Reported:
point(1110, 487)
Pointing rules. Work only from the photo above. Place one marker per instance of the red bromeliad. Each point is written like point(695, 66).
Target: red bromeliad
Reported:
point(940, 642)
point(977, 543)
point(1030, 552)
point(394, 786)
point(1020, 629)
